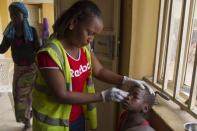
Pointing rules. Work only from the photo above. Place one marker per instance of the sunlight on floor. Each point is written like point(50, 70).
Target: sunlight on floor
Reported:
point(7, 118)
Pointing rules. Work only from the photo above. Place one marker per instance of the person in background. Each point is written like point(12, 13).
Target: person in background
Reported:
point(136, 105)
point(45, 31)
point(23, 40)
point(64, 93)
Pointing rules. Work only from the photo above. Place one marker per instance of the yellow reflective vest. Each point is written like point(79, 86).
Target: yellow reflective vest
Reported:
point(48, 113)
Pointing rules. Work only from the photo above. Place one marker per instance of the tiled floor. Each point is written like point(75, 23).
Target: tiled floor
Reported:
point(7, 119)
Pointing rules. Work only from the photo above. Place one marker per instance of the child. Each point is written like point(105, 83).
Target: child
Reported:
point(138, 103)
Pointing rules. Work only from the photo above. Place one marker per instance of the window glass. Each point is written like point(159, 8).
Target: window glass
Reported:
point(173, 42)
point(191, 53)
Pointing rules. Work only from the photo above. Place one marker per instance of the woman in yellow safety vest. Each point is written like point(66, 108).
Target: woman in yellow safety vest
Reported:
point(64, 93)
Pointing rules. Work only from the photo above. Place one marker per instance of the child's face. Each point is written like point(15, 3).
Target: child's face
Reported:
point(135, 101)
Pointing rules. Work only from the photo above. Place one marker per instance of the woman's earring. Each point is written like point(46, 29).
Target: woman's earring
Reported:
point(70, 27)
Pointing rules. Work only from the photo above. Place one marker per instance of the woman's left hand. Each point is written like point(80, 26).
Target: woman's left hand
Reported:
point(142, 84)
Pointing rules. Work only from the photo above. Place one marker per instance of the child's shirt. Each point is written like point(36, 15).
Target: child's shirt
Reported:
point(143, 127)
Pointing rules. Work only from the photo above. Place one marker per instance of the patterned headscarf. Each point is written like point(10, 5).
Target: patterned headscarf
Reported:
point(10, 30)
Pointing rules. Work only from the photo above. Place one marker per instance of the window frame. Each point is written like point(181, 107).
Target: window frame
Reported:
point(184, 41)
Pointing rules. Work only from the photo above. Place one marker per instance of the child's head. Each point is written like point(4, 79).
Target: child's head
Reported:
point(139, 100)
point(82, 16)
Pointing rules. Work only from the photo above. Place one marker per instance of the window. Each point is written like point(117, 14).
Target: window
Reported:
point(175, 71)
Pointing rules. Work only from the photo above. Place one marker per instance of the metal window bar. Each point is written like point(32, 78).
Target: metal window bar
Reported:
point(181, 50)
point(158, 45)
point(163, 40)
point(193, 91)
point(187, 22)
point(168, 49)
point(189, 36)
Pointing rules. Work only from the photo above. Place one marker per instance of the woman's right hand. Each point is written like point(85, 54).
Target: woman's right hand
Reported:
point(113, 94)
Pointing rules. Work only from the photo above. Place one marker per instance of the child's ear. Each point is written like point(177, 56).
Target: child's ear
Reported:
point(145, 108)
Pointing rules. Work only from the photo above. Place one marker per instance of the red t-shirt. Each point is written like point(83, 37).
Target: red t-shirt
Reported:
point(122, 119)
point(80, 70)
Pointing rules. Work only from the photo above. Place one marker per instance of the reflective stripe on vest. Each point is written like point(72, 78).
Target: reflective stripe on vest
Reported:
point(50, 121)
point(91, 106)
point(57, 53)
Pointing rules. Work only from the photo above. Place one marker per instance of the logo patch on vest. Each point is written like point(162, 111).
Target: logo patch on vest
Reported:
point(81, 70)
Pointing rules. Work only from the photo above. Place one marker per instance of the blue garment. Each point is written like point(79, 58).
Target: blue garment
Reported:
point(10, 31)
point(78, 125)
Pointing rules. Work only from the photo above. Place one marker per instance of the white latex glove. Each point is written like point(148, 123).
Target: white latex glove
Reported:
point(132, 82)
point(113, 94)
